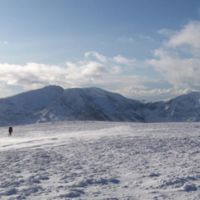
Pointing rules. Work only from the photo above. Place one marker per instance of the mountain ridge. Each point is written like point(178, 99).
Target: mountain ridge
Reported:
point(53, 103)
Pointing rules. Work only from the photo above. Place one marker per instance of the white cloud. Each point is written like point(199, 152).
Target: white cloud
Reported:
point(188, 35)
point(166, 32)
point(155, 94)
point(96, 55)
point(111, 73)
point(119, 59)
point(31, 75)
point(94, 70)
point(177, 60)
point(85, 69)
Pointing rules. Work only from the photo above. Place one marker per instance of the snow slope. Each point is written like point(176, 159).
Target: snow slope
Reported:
point(101, 160)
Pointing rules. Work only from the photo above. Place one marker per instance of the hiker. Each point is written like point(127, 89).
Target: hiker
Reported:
point(10, 130)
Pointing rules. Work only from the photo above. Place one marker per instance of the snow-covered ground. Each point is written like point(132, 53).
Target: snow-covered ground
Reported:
point(101, 160)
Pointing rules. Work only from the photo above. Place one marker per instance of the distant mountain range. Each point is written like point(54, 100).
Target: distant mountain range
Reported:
point(53, 103)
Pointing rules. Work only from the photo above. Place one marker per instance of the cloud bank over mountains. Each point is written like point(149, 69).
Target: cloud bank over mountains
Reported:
point(176, 65)
point(94, 69)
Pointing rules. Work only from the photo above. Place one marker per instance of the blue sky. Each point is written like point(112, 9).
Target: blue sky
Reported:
point(144, 49)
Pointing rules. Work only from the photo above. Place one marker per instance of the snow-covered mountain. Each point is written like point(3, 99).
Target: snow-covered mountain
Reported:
point(53, 103)
point(92, 104)
point(25, 108)
point(184, 108)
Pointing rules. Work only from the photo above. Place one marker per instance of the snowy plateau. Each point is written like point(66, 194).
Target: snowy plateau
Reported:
point(100, 161)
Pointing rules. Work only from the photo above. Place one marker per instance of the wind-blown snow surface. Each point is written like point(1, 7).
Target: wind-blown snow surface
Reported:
point(101, 160)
